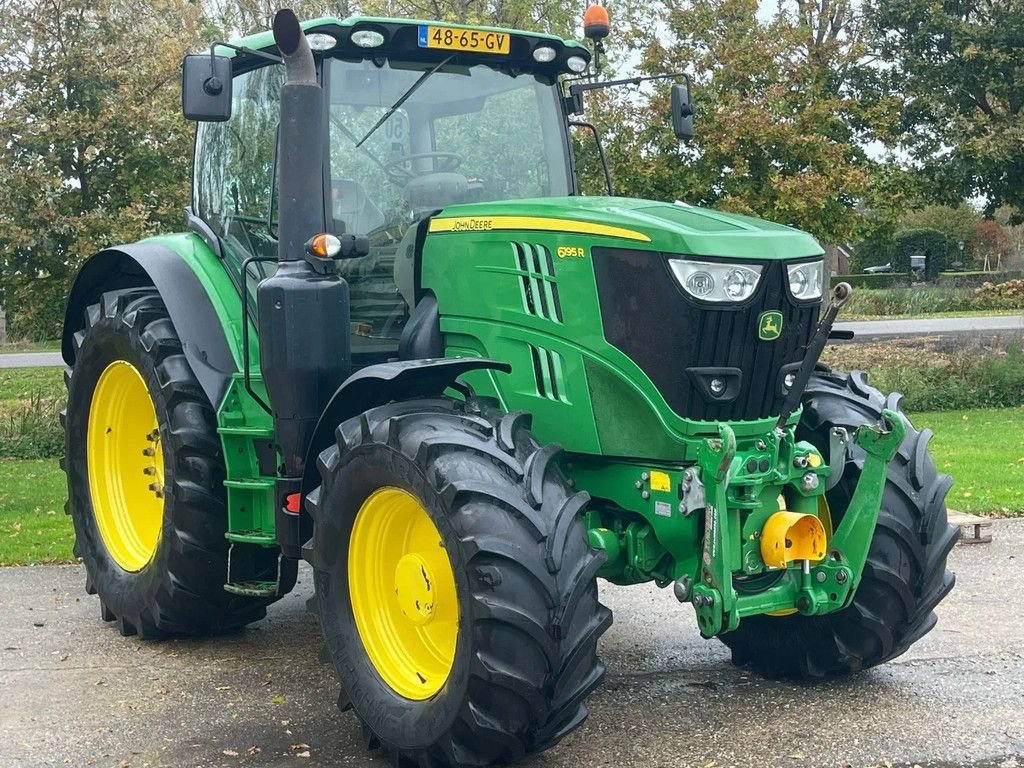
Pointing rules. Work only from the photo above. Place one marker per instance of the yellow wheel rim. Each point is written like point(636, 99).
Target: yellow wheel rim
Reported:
point(402, 588)
point(126, 466)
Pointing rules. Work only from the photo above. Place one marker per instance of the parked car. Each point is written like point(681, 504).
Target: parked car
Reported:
point(887, 267)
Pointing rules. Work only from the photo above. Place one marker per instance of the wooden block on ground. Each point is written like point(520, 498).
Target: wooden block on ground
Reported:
point(973, 529)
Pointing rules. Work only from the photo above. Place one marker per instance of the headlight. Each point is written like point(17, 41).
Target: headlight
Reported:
point(716, 281)
point(805, 280)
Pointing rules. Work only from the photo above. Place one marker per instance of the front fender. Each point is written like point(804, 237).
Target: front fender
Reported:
point(379, 384)
point(200, 299)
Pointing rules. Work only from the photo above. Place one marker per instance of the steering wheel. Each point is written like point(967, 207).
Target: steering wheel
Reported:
point(397, 169)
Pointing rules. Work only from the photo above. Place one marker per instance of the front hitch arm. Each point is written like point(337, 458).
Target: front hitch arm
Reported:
point(853, 537)
point(715, 597)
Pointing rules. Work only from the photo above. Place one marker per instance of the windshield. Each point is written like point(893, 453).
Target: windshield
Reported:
point(462, 134)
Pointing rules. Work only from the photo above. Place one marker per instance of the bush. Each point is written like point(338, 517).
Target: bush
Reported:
point(1008, 295)
point(936, 299)
point(975, 279)
point(932, 380)
point(929, 242)
point(30, 429)
point(909, 301)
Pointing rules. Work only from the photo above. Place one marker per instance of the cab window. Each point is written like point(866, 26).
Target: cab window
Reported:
point(233, 184)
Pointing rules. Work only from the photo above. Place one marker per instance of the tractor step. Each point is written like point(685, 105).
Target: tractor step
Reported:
point(251, 537)
point(252, 587)
point(973, 529)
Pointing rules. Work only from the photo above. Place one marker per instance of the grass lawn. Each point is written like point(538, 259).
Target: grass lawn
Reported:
point(30, 346)
point(33, 526)
point(984, 452)
point(24, 383)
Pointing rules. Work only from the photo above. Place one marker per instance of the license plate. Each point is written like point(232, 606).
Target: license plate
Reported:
point(478, 41)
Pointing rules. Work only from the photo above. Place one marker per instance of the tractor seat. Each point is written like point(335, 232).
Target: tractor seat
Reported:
point(352, 206)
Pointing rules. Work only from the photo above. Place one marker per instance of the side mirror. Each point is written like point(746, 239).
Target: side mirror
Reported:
point(682, 111)
point(206, 87)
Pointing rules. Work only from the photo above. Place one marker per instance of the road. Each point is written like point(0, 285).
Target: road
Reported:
point(867, 330)
point(31, 360)
point(73, 692)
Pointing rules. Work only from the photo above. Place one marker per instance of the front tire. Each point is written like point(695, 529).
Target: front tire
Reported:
point(145, 477)
point(514, 570)
point(905, 575)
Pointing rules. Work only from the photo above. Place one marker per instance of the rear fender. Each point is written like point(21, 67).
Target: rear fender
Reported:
point(200, 298)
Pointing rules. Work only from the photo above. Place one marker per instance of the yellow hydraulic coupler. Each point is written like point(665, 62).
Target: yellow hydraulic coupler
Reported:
point(789, 536)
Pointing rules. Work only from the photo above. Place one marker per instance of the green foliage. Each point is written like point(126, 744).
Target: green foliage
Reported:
point(929, 300)
point(94, 151)
point(30, 429)
point(776, 114)
point(30, 403)
point(935, 379)
point(929, 243)
point(874, 251)
point(959, 224)
point(970, 382)
point(958, 68)
point(977, 279)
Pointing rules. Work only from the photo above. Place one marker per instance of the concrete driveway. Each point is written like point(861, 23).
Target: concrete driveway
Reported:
point(73, 692)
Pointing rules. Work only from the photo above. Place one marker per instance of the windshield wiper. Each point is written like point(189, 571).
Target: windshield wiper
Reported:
point(402, 99)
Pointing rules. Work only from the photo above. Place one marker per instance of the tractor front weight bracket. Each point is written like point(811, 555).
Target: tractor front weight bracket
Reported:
point(808, 587)
point(715, 597)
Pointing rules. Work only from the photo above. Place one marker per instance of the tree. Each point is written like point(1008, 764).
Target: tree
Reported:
point(959, 66)
point(779, 115)
point(554, 16)
point(93, 150)
point(958, 224)
point(993, 243)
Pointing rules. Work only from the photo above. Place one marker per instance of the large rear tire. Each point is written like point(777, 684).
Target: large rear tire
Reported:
point(145, 477)
point(513, 584)
point(905, 576)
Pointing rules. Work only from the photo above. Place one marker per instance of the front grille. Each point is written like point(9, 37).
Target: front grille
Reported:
point(648, 316)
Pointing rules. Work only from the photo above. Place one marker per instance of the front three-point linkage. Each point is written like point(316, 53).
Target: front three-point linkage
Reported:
point(808, 587)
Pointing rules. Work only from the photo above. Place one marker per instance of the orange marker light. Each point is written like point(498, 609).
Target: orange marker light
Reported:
point(596, 24)
point(324, 246)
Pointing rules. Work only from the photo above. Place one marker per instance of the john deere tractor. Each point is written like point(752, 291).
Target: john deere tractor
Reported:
point(396, 342)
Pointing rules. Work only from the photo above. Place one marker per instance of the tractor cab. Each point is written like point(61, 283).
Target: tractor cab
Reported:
point(418, 117)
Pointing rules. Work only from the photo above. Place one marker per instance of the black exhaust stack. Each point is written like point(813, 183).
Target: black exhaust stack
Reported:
point(303, 308)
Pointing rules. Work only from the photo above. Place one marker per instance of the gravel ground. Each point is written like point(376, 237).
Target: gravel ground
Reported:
point(73, 692)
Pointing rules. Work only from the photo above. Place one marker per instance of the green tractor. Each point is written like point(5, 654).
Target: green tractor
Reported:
point(398, 343)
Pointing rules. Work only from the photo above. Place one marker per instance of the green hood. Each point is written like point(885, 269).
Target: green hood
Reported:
point(670, 227)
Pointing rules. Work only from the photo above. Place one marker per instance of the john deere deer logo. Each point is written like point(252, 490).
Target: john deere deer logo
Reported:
point(769, 326)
